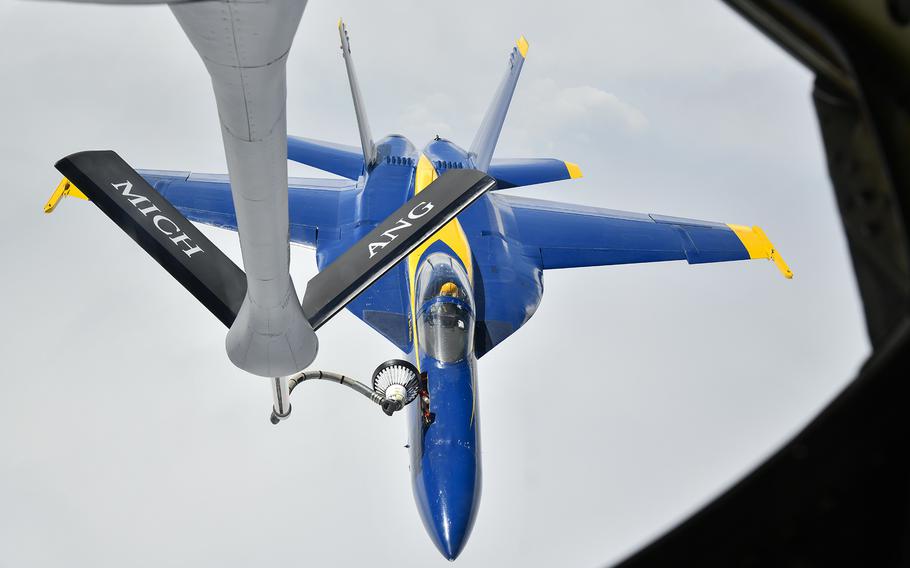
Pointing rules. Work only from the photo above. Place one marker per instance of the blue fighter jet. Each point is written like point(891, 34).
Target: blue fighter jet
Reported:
point(470, 285)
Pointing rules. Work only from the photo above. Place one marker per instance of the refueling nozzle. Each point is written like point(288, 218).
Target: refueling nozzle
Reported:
point(395, 385)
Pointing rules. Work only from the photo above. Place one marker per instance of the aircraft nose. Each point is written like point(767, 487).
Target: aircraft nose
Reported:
point(450, 531)
point(449, 495)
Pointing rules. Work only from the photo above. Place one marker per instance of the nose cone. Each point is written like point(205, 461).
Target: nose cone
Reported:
point(445, 455)
point(448, 492)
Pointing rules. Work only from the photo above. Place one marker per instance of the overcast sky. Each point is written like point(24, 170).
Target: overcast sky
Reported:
point(128, 439)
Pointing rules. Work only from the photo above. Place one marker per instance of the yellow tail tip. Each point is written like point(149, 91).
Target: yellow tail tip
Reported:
point(340, 23)
point(574, 170)
point(522, 45)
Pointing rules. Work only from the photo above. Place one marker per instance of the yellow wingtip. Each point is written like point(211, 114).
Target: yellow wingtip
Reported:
point(574, 170)
point(758, 245)
point(63, 189)
point(522, 45)
point(340, 23)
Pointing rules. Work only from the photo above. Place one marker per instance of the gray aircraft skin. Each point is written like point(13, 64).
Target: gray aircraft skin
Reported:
point(244, 46)
point(246, 61)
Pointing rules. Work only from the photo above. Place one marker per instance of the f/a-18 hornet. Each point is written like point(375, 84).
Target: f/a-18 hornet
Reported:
point(426, 246)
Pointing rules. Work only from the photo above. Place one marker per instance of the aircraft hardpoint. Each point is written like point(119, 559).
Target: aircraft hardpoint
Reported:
point(423, 245)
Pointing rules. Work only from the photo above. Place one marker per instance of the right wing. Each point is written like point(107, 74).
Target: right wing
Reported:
point(563, 235)
point(317, 207)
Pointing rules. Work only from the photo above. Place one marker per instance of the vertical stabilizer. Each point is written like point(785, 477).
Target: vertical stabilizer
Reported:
point(366, 139)
point(488, 134)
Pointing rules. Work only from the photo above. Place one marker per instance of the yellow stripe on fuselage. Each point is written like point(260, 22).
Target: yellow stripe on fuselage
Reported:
point(451, 234)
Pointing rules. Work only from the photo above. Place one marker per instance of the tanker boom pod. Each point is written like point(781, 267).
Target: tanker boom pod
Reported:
point(244, 47)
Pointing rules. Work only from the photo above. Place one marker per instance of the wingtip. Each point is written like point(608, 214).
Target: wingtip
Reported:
point(574, 170)
point(758, 245)
point(780, 264)
point(340, 23)
point(773, 255)
point(522, 45)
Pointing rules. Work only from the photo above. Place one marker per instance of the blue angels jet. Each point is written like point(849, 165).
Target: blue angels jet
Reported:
point(457, 292)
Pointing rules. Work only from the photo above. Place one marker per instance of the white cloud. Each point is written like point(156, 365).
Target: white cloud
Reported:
point(427, 117)
point(586, 105)
point(545, 112)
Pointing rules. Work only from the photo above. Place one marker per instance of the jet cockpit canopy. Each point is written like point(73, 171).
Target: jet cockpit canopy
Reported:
point(445, 309)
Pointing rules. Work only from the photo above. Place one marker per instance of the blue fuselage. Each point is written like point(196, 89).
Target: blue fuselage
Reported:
point(499, 291)
point(445, 454)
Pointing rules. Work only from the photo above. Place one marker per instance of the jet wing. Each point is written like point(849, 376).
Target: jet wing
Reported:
point(317, 206)
point(561, 235)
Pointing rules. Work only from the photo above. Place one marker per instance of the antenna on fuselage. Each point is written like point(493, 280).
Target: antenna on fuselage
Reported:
point(366, 139)
point(488, 134)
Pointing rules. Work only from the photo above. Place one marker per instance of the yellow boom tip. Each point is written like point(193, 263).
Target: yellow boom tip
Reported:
point(64, 188)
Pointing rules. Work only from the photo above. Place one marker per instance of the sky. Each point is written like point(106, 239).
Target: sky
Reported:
point(633, 396)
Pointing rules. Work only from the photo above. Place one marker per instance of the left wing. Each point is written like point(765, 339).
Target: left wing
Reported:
point(562, 235)
point(316, 206)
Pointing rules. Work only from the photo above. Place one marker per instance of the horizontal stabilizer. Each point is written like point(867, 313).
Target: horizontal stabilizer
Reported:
point(159, 228)
point(392, 240)
point(345, 161)
point(517, 173)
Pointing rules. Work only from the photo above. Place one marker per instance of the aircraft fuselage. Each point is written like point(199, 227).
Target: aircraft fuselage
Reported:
point(441, 290)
